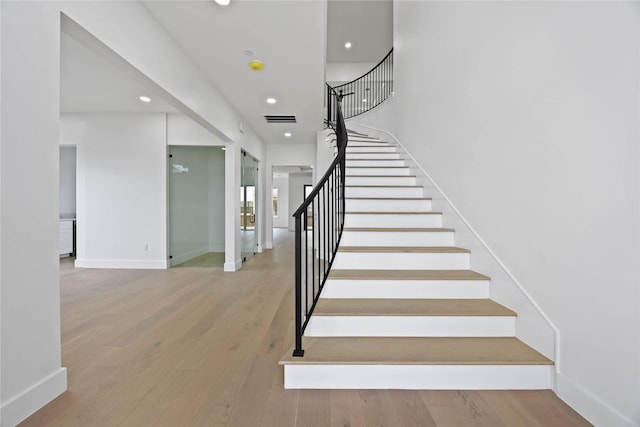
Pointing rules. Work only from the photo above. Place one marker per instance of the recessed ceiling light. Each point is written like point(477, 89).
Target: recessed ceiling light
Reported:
point(145, 99)
point(223, 2)
point(347, 45)
point(271, 100)
point(287, 134)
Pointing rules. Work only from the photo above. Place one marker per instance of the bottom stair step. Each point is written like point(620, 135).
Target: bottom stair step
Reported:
point(417, 363)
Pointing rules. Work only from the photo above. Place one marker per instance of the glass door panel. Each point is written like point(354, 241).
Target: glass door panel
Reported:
point(248, 206)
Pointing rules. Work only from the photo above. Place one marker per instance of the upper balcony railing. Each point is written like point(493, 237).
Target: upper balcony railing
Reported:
point(365, 92)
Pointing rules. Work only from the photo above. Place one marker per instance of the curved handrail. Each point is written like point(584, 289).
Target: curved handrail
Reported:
point(367, 91)
point(324, 226)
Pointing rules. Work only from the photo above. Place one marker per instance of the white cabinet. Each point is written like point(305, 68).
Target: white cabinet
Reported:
point(67, 236)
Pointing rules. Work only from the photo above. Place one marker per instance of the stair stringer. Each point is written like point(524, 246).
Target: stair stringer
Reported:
point(533, 326)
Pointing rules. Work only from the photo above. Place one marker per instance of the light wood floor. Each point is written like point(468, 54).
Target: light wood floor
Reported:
point(199, 347)
point(208, 260)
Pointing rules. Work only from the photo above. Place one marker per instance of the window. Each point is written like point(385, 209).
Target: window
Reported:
point(274, 201)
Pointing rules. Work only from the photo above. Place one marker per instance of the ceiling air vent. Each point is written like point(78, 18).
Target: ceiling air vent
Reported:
point(280, 119)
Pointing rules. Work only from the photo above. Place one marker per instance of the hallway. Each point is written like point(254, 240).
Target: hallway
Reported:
point(196, 346)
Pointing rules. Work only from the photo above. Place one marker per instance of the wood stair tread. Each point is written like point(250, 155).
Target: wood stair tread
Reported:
point(380, 176)
point(403, 249)
point(388, 198)
point(393, 213)
point(383, 186)
point(415, 351)
point(409, 307)
point(401, 230)
point(380, 167)
point(406, 275)
point(370, 146)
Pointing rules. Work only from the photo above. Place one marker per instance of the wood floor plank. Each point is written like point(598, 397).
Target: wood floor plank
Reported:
point(510, 411)
point(437, 398)
point(411, 409)
point(346, 409)
point(474, 408)
point(314, 408)
point(374, 402)
point(557, 414)
point(281, 405)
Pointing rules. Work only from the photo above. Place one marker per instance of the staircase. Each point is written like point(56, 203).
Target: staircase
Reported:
point(401, 308)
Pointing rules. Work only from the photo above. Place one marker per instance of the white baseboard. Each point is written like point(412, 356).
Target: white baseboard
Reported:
point(233, 266)
point(25, 404)
point(589, 406)
point(122, 263)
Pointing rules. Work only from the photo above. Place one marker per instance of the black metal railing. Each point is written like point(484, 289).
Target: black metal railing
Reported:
point(367, 91)
point(319, 223)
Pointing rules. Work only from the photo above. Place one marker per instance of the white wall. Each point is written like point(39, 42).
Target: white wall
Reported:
point(30, 372)
point(527, 118)
point(182, 130)
point(67, 182)
point(297, 181)
point(381, 117)
point(337, 73)
point(282, 220)
point(121, 189)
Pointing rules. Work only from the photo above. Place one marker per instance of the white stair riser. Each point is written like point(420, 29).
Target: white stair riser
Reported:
point(419, 377)
point(401, 261)
point(392, 220)
point(380, 148)
point(373, 155)
point(405, 289)
point(400, 205)
point(381, 180)
point(378, 171)
point(411, 326)
point(399, 238)
point(375, 163)
point(392, 192)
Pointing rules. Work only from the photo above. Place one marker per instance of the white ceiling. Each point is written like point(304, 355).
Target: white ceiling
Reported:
point(90, 83)
point(289, 37)
point(367, 24)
